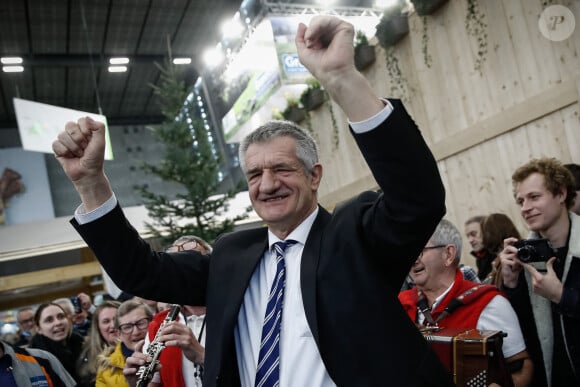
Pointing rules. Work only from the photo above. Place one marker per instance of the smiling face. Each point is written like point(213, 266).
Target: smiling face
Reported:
point(434, 269)
point(540, 208)
point(106, 323)
point(282, 192)
point(53, 323)
point(131, 338)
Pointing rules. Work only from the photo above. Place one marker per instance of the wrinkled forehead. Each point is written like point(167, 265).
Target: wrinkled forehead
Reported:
point(271, 153)
point(134, 315)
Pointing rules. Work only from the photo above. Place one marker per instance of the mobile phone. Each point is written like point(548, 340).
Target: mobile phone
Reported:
point(77, 304)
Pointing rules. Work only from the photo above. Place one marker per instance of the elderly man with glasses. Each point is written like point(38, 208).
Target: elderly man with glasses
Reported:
point(25, 319)
point(440, 284)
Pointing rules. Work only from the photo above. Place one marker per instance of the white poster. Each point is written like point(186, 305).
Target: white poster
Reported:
point(39, 124)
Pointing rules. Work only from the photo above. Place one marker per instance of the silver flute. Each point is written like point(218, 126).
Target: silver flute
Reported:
point(146, 371)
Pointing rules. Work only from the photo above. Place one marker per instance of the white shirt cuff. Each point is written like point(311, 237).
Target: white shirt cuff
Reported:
point(373, 122)
point(83, 217)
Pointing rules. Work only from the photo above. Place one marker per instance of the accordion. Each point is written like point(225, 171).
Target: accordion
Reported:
point(474, 357)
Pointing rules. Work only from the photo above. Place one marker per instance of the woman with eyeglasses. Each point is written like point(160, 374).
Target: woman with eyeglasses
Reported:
point(54, 334)
point(132, 320)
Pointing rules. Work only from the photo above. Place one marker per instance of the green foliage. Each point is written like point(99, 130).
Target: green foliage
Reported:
point(477, 27)
point(277, 114)
point(426, 7)
point(312, 84)
point(360, 40)
point(427, 59)
point(291, 100)
point(189, 162)
point(392, 26)
point(292, 103)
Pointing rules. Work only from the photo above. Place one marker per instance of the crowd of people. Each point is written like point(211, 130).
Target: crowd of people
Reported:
point(89, 345)
point(319, 298)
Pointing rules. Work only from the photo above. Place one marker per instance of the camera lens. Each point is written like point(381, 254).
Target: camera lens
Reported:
point(525, 253)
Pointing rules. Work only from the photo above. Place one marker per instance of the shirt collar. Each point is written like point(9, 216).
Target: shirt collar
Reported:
point(300, 233)
point(438, 299)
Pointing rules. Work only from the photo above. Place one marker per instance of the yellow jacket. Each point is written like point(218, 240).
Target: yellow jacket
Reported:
point(110, 373)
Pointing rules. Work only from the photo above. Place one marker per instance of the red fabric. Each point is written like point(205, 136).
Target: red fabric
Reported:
point(465, 316)
point(171, 372)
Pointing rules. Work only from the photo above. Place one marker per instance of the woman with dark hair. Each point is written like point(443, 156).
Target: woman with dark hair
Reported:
point(495, 228)
point(103, 333)
point(53, 334)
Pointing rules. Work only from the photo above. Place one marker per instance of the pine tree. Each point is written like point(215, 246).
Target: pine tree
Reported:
point(188, 161)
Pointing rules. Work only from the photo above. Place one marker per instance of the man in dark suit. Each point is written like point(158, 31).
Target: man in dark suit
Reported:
point(341, 323)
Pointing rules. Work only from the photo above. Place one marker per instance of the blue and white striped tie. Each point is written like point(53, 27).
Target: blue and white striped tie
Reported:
point(268, 372)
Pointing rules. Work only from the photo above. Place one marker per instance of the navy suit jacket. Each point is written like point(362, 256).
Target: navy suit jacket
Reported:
point(353, 264)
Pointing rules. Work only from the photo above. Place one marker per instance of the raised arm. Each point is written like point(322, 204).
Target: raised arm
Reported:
point(80, 150)
point(325, 47)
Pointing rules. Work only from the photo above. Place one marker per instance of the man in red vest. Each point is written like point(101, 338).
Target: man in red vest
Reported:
point(440, 285)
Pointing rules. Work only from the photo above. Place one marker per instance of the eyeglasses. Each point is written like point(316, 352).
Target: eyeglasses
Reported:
point(140, 324)
point(188, 245)
point(430, 248)
point(26, 321)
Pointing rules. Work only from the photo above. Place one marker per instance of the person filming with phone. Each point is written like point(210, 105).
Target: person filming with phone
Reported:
point(541, 274)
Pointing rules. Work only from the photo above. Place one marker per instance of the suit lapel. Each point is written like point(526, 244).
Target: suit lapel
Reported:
point(243, 267)
point(308, 269)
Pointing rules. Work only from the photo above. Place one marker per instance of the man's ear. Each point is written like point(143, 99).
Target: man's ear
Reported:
point(562, 194)
point(316, 175)
point(450, 254)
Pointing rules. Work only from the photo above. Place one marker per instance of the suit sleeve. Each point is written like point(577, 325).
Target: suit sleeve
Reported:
point(179, 278)
point(413, 200)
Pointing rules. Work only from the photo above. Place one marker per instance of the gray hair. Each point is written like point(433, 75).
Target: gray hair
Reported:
point(66, 304)
point(306, 149)
point(130, 305)
point(447, 234)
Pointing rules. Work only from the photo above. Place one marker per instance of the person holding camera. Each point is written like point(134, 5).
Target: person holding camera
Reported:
point(546, 295)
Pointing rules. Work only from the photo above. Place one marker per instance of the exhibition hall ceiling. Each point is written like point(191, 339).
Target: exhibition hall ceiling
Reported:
point(66, 47)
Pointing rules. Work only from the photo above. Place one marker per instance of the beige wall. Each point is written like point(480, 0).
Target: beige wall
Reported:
point(480, 125)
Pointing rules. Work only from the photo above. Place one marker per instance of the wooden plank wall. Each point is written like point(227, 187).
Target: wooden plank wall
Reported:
point(480, 125)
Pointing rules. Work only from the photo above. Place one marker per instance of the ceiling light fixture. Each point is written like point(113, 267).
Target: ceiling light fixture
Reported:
point(12, 69)
point(233, 28)
point(213, 57)
point(11, 60)
point(119, 60)
point(117, 69)
point(181, 61)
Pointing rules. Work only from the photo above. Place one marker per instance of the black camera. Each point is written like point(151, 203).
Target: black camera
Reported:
point(534, 250)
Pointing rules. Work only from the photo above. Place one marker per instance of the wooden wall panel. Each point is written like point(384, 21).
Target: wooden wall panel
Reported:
point(480, 126)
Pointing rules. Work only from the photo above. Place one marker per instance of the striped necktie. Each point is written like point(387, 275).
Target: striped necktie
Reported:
point(268, 371)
